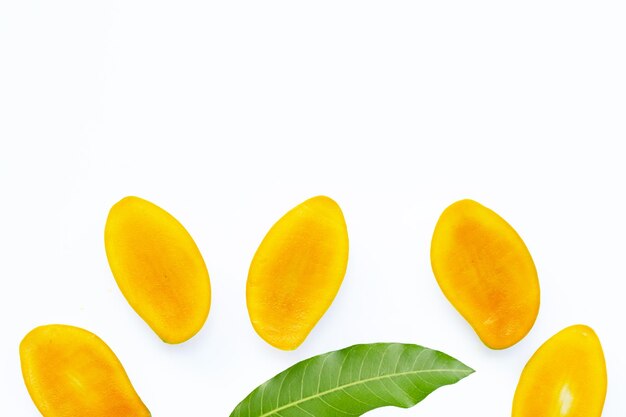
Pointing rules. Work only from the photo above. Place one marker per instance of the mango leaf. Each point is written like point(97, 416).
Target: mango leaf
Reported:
point(352, 381)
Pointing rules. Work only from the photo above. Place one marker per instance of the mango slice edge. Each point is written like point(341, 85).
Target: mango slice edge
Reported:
point(297, 271)
point(486, 272)
point(158, 268)
point(69, 371)
point(565, 377)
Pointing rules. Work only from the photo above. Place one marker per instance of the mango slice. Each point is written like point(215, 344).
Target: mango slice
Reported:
point(297, 271)
point(71, 372)
point(486, 272)
point(158, 268)
point(566, 377)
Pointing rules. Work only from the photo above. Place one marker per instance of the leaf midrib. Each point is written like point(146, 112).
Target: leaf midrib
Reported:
point(351, 384)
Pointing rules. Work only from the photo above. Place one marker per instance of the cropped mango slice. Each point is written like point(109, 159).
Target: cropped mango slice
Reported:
point(297, 271)
point(158, 268)
point(566, 377)
point(71, 372)
point(486, 272)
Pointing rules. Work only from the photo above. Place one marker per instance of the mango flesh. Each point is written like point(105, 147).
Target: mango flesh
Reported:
point(158, 268)
point(486, 272)
point(71, 372)
point(566, 377)
point(297, 271)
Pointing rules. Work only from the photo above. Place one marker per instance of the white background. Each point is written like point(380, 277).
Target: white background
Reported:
point(229, 113)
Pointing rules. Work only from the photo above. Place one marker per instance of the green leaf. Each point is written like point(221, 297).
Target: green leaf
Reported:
point(352, 381)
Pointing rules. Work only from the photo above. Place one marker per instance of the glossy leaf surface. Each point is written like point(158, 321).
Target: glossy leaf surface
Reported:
point(352, 381)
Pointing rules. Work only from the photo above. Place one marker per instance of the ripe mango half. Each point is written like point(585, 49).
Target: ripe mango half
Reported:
point(297, 271)
point(158, 268)
point(566, 377)
point(486, 272)
point(71, 372)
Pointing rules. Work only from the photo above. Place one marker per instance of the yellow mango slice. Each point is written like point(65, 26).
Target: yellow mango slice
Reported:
point(486, 272)
point(566, 377)
point(158, 268)
point(297, 271)
point(71, 372)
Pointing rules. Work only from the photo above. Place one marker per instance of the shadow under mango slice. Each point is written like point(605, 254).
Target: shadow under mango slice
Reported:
point(486, 272)
point(71, 372)
point(297, 271)
point(158, 268)
point(566, 377)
